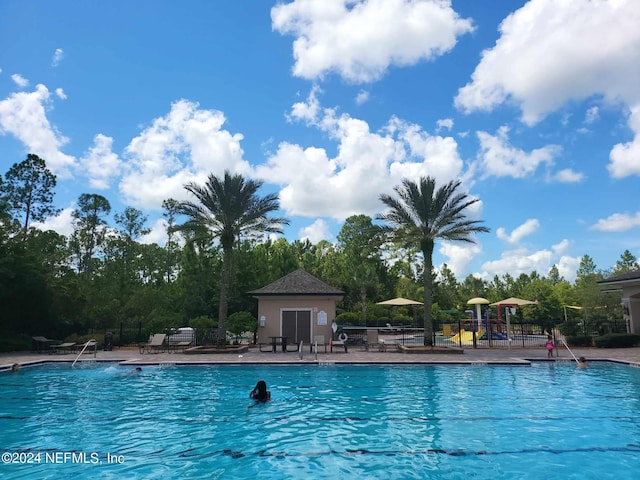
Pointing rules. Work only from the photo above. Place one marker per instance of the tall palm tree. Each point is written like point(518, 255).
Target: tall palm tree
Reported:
point(423, 214)
point(229, 208)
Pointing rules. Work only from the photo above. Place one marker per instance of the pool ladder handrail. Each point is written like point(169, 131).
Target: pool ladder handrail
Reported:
point(95, 349)
point(300, 350)
point(565, 344)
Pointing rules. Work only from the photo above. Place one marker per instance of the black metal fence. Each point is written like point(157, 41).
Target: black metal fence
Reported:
point(469, 334)
point(124, 336)
point(462, 333)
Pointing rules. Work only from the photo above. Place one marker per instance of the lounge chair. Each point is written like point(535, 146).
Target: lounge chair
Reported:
point(91, 346)
point(156, 343)
point(372, 340)
point(393, 344)
point(319, 340)
point(63, 347)
point(175, 346)
point(341, 342)
point(40, 344)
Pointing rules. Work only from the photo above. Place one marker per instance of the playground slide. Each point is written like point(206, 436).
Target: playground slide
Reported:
point(466, 338)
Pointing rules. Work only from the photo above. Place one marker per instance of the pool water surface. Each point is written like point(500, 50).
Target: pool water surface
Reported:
point(333, 421)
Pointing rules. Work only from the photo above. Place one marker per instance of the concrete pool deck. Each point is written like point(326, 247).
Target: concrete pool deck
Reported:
point(494, 356)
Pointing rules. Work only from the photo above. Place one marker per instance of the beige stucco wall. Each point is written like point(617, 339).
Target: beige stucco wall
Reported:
point(270, 314)
point(631, 299)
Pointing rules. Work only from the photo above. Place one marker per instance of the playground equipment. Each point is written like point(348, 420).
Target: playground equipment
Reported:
point(464, 337)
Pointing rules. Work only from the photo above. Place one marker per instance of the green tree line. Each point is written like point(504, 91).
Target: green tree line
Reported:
point(103, 276)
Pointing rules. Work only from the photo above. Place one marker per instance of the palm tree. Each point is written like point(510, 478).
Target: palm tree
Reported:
point(229, 208)
point(423, 214)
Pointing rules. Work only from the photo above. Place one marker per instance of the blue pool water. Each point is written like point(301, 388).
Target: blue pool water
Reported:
point(444, 422)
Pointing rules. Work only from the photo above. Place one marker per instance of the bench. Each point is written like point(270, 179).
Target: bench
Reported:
point(269, 345)
point(274, 346)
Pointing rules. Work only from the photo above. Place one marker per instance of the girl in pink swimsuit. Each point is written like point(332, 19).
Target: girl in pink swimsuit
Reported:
point(549, 346)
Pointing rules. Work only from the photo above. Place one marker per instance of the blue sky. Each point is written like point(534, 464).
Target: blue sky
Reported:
point(534, 105)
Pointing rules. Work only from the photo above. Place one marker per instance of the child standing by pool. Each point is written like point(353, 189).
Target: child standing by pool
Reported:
point(549, 347)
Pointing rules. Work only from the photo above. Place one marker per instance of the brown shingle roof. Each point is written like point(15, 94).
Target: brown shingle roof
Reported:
point(298, 282)
point(635, 275)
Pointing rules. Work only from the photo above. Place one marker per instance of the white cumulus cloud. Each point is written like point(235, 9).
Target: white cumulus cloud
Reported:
point(460, 255)
point(57, 57)
point(19, 80)
point(23, 115)
point(518, 233)
point(618, 222)
point(550, 52)
point(624, 157)
point(501, 159)
point(592, 115)
point(185, 145)
point(367, 163)
point(561, 247)
point(62, 223)
point(568, 176)
point(318, 230)
point(361, 39)
point(157, 233)
point(445, 123)
point(100, 164)
point(362, 97)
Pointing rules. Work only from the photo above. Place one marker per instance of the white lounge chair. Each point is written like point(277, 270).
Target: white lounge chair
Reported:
point(319, 340)
point(341, 342)
point(155, 344)
point(63, 347)
point(372, 340)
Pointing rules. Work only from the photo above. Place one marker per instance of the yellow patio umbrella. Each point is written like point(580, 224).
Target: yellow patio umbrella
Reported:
point(573, 307)
point(399, 301)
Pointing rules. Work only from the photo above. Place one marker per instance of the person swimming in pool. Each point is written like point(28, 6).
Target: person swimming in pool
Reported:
point(15, 367)
point(582, 362)
point(136, 371)
point(260, 392)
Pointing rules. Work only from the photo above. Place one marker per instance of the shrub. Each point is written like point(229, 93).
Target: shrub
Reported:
point(400, 319)
point(202, 322)
point(579, 341)
point(348, 318)
point(570, 328)
point(82, 339)
point(15, 344)
point(617, 340)
point(241, 322)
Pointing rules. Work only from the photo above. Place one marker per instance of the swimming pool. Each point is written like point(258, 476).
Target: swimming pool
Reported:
point(337, 421)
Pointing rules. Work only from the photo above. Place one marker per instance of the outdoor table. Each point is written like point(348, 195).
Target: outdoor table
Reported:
point(274, 342)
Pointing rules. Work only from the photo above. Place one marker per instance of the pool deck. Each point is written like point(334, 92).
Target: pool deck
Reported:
point(355, 355)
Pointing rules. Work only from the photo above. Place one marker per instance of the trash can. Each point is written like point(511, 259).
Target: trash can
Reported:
point(108, 341)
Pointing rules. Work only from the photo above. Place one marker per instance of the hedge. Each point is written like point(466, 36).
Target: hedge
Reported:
point(617, 340)
point(579, 341)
